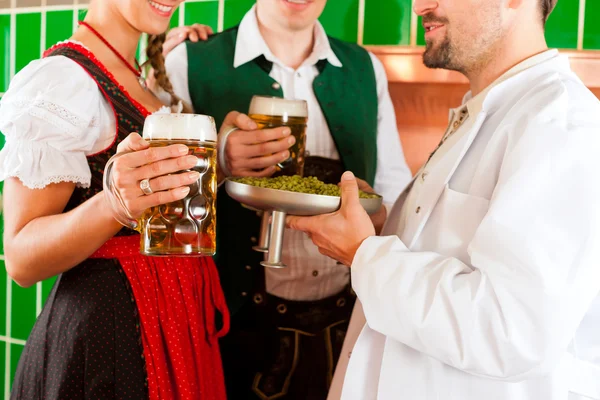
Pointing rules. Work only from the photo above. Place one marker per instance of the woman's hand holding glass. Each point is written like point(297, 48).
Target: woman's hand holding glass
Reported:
point(140, 177)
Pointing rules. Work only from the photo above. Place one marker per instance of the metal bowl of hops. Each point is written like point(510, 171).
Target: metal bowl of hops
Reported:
point(293, 195)
point(288, 195)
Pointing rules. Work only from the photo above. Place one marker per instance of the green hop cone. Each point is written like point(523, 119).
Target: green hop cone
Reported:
point(296, 183)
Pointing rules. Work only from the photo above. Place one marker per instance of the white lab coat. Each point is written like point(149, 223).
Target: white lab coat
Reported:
point(491, 291)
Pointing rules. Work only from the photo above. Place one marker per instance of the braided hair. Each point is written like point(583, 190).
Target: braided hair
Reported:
point(154, 52)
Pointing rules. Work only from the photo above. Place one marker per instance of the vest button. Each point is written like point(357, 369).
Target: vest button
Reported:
point(418, 210)
point(276, 86)
point(248, 268)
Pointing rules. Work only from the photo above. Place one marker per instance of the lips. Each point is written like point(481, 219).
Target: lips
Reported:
point(297, 4)
point(162, 9)
point(429, 27)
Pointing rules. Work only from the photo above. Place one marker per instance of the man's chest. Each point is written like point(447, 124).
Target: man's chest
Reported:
point(450, 195)
point(298, 85)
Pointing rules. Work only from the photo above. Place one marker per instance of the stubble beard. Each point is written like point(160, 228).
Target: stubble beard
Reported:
point(441, 56)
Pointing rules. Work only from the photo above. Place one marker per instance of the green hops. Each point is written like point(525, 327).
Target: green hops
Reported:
point(296, 183)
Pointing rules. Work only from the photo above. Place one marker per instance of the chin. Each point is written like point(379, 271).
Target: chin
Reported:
point(438, 55)
point(148, 21)
point(157, 31)
point(296, 24)
point(154, 27)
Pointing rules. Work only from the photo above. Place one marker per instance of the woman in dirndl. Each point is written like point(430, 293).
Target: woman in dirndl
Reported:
point(117, 324)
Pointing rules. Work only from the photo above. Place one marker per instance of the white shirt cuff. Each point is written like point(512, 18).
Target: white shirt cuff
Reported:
point(368, 253)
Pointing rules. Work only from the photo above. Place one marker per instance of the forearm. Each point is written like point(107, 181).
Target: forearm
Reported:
point(50, 245)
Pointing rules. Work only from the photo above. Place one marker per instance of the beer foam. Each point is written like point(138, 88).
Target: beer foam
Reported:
point(180, 127)
point(278, 107)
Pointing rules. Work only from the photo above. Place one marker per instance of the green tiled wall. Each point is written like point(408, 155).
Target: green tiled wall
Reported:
point(3, 277)
point(3, 362)
point(234, 11)
point(591, 38)
point(59, 26)
point(5, 47)
point(420, 33)
point(561, 28)
point(385, 22)
point(340, 19)
point(27, 38)
point(207, 12)
point(23, 312)
point(175, 19)
point(15, 353)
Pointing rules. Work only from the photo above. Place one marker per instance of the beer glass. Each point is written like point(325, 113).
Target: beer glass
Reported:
point(185, 227)
point(273, 112)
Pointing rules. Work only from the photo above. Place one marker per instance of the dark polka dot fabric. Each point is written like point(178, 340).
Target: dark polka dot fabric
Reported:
point(86, 342)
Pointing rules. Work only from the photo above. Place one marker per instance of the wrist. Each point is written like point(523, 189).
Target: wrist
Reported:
point(357, 248)
point(220, 177)
point(113, 209)
point(223, 170)
point(379, 220)
point(105, 211)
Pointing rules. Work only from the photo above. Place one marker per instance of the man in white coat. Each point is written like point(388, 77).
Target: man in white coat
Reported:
point(485, 282)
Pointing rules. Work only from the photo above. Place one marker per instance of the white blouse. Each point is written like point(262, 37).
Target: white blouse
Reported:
point(53, 116)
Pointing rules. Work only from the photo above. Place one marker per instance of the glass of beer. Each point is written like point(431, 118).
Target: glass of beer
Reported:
point(185, 227)
point(273, 112)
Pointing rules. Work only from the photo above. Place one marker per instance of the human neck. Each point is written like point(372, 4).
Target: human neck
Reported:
point(113, 27)
point(503, 58)
point(291, 47)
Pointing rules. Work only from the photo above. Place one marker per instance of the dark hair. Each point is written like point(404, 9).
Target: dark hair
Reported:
point(547, 6)
point(154, 52)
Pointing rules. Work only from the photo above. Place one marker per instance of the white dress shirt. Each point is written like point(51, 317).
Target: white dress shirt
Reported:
point(473, 104)
point(310, 275)
point(485, 281)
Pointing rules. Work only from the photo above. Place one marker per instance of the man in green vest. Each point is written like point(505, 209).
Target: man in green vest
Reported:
point(288, 325)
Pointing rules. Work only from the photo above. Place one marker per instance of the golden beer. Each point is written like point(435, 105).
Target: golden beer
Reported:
point(273, 112)
point(186, 227)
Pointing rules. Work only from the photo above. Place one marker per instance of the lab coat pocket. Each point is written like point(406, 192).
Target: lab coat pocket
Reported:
point(453, 223)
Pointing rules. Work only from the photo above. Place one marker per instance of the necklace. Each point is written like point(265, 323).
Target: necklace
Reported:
point(137, 70)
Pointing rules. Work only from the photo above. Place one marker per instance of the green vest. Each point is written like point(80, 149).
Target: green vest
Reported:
point(348, 99)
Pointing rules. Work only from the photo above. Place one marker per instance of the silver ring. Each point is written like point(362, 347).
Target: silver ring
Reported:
point(145, 186)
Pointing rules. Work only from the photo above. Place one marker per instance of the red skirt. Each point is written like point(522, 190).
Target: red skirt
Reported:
point(177, 299)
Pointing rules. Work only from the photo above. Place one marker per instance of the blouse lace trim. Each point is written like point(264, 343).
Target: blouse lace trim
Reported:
point(56, 110)
point(40, 184)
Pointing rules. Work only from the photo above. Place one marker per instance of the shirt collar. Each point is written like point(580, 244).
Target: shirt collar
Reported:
point(250, 44)
point(475, 104)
